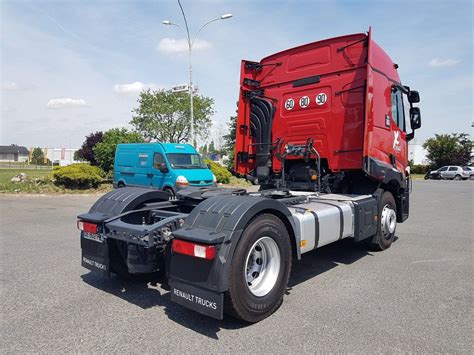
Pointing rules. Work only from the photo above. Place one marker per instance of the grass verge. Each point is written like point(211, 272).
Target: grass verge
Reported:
point(39, 182)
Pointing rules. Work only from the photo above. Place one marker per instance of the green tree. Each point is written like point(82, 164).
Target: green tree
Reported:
point(448, 149)
point(105, 150)
point(212, 148)
point(87, 149)
point(229, 142)
point(37, 156)
point(165, 116)
point(203, 149)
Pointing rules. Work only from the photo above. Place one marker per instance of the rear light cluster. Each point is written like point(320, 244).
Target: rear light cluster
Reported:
point(207, 252)
point(87, 227)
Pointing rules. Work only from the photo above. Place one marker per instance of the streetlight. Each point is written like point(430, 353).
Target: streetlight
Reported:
point(190, 47)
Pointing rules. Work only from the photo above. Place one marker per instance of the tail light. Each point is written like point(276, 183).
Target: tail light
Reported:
point(207, 252)
point(87, 227)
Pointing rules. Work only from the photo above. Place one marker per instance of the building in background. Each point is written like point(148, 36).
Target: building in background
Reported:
point(14, 153)
point(61, 156)
point(417, 153)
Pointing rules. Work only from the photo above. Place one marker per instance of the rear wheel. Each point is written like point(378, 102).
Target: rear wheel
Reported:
point(260, 269)
point(120, 185)
point(387, 224)
point(458, 177)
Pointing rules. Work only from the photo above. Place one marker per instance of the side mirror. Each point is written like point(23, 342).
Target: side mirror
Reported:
point(415, 118)
point(413, 97)
point(163, 168)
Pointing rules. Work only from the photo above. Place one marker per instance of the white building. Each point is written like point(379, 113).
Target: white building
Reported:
point(61, 156)
point(417, 153)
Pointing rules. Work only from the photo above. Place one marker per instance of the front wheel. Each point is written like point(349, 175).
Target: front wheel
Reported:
point(387, 224)
point(260, 269)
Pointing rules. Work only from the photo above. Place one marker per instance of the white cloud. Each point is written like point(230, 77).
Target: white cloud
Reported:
point(65, 102)
point(10, 86)
point(175, 46)
point(436, 62)
point(135, 88)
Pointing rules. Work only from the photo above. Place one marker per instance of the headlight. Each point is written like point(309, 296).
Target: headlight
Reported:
point(214, 178)
point(182, 181)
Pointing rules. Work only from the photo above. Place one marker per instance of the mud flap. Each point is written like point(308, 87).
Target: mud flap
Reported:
point(95, 255)
point(206, 302)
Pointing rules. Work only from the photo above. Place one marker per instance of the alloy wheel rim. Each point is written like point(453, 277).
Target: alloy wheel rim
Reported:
point(262, 266)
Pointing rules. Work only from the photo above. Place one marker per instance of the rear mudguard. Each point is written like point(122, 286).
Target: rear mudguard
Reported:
point(122, 200)
point(219, 221)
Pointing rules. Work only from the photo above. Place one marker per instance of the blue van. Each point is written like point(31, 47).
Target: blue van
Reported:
point(166, 166)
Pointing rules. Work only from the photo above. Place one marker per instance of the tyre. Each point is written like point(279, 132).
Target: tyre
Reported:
point(260, 270)
point(458, 177)
point(387, 224)
point(120, 185)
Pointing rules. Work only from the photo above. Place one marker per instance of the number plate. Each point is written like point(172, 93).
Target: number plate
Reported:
point(91, 236)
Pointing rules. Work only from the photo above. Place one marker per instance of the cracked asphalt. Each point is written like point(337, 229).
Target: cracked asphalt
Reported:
point(415, 297)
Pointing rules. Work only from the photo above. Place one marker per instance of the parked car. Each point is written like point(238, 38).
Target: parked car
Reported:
point(470, 170)
point(165, 166)
point(449, 172)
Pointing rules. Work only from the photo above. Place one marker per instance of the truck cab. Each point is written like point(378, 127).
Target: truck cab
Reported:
point(327, 116)
point(165, 166)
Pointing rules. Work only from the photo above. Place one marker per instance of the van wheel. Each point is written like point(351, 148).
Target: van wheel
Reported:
point(260, 270)
point(120, 185)
point(387, 224)
point(169, 191)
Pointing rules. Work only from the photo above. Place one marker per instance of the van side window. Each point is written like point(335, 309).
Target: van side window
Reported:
point(158, 160)
point(398, 112)
point(142, 159)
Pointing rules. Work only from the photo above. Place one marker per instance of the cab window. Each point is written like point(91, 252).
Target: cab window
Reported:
point(158, 160)
point(398, 112)
point(444, 168)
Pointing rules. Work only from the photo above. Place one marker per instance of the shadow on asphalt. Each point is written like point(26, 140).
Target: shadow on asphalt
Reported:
point(155, 291)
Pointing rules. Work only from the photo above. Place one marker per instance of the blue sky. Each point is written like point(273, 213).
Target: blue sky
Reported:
point(72, 67)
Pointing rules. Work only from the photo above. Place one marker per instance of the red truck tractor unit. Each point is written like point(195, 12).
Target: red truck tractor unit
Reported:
point(322, 130)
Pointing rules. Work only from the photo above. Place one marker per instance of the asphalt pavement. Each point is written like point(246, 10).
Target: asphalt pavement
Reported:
point(416, 296)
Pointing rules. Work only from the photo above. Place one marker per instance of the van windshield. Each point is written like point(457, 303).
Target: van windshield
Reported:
point(185, 161)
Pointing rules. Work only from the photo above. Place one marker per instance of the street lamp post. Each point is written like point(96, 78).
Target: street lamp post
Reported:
point(190, 48)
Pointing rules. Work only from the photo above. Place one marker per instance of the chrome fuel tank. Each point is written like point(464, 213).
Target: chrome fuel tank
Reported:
point(322, 220)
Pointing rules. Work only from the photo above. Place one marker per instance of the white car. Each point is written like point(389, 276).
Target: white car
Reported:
point(451, 172)
point(470, 170)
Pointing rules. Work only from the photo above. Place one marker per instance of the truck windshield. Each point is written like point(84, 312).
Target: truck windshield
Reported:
point(185, 161)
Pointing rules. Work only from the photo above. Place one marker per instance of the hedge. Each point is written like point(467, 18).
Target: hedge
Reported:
point(222, 174)
point(81, 176)
point(419, 169)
